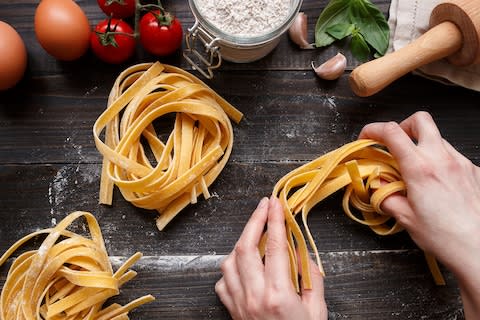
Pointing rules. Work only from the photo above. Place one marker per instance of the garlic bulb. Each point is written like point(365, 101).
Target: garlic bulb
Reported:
point(331, 69)
point(298, 31)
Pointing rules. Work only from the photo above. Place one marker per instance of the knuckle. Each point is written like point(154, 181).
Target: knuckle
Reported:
point(275, 245)
point(275, 303)
point(404, 220)
point(253, 307)
point(425, 173)
point(226, 264)
point(454, 166)
point(242, 249)
point(427, 169)
point(423, 116)
point(391, 128)
point(220, 287)
point(460, 165)
point(423, 170)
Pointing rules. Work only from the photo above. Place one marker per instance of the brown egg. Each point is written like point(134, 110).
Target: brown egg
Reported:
point(62, 28)
point(13, 56)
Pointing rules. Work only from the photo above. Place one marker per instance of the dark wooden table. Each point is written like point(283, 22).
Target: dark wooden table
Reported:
point(50, 167)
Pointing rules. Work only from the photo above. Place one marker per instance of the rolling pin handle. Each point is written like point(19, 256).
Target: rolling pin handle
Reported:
point(437, 43)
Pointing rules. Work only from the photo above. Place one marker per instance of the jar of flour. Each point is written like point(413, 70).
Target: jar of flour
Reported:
point(235, 30)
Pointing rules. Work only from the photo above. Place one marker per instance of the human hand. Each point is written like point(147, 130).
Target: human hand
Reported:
point(441, 210)
point(251, 289)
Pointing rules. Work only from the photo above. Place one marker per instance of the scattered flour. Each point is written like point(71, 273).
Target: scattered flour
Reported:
point(174, 263)
point(330, 102)
point(245, 18)
point(91, 91)
point(58, 186)
point(292, 133)
point(67, 181)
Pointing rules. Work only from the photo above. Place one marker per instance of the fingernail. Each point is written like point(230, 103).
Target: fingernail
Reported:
point(273, 200)
point(262, 203)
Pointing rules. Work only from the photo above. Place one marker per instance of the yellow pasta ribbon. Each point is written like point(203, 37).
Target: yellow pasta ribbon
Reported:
point(184, 165)
point(68, 277)
point(367, 172)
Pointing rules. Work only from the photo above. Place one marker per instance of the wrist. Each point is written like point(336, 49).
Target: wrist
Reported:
point(470, 292)
point(467, 272)
point(461, 248)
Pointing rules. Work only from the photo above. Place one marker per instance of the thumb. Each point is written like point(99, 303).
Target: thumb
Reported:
point(397, 206)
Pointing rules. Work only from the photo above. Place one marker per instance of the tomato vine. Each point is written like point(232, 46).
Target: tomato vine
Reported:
point(159, 32)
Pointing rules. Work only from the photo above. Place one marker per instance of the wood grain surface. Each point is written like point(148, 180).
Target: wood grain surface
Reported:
point(49, 167)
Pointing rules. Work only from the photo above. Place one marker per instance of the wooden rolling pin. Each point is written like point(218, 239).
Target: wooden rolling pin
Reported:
point(454, 34)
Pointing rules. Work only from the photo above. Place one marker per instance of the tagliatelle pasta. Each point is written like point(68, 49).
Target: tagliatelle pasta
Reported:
point(68, 277)
point(188, 162)
point(368, 173)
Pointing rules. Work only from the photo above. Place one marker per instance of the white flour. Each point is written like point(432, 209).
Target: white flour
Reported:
point(244, 17)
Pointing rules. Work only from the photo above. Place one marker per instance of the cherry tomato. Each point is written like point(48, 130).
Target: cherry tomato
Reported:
point(161, 34)
point(109, 45)
point(117, 8)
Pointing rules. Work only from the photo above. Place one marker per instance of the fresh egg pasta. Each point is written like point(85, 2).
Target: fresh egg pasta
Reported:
point(184, 165)
point(68, 277)
point(366, 172)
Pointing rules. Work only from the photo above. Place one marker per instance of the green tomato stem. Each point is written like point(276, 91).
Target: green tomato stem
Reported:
point(152, 6)
point(163, 19)
point(138, 8)
point(112, 33)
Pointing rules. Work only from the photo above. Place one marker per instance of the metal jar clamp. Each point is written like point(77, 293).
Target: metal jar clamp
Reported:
point(211, 59)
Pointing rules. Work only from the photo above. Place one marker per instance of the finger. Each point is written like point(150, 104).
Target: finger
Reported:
point(277, 264)
point(394, 138)
point(231, 276)
point(247, 257)
point(226, 298)
point(254, 228)
point(314, 299)
point(398, 207)
point(421, 127)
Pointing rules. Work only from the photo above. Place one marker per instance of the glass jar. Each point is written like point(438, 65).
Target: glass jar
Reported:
point(216, 44)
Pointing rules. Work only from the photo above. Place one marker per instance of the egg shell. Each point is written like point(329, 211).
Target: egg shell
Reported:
point(13, 56)
point(62, 29)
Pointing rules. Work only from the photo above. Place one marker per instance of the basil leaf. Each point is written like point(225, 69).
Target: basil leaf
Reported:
point(359, 47)
point(371, 23)
point(334, 13)
point(341, 30)
point(361, 20)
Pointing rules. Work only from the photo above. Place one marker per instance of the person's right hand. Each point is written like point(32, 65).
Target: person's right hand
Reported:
point(441, 210)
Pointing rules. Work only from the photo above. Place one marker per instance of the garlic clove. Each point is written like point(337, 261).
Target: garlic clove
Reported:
point(298, 31)
point(331, 69)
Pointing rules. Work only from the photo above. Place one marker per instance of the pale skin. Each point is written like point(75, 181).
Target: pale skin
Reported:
point(253, 290)
point(441, 212)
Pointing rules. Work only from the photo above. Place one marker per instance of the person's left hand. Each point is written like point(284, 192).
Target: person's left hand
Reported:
point(253, 290)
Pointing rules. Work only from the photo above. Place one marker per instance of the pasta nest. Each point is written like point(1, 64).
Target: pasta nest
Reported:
point(368, 174)
point(184, 165)
point(68, 277)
